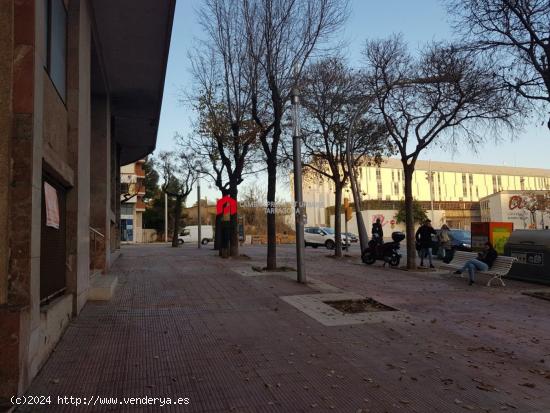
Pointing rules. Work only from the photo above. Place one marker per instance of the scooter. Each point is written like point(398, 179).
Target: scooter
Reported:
point(387, 251)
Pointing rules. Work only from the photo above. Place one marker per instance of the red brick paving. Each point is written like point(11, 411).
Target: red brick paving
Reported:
point(182, 324)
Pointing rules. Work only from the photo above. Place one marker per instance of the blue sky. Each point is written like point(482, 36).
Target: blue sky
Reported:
point(418, 21)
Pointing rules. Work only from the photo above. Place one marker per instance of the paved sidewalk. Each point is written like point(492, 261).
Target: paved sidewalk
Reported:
point(185, 323)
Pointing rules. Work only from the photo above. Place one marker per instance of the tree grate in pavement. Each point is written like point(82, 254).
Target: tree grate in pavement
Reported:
point(315, 306)
point(367, 305)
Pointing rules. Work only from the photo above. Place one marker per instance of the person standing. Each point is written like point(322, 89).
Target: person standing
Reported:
point(424, 238)
point(484, 261)
point(444, 238)
point(377, 231)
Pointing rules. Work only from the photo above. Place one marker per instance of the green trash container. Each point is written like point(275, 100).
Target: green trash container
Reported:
point(532, 250)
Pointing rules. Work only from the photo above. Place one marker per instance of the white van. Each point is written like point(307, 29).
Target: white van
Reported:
point(191, 234)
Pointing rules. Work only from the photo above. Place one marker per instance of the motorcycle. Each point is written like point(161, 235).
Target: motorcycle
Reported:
point(386, 251)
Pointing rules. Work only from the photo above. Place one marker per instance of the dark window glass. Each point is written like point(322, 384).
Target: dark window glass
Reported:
point(56, 39)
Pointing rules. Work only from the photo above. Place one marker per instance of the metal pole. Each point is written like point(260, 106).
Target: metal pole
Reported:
point(165, 217)
point(298, 200)
point(199, 211)
point(431, 181)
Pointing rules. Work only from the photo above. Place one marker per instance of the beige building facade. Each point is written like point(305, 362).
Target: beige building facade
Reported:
point(455, 190)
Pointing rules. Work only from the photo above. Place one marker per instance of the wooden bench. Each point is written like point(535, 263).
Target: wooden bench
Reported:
point(501, 266)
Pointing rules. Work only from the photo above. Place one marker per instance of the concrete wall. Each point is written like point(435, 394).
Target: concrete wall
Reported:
point(499, 211)
point(17, 153)
point(78, 104)
point(6, 119)
point(100, 190)
point(37, 129)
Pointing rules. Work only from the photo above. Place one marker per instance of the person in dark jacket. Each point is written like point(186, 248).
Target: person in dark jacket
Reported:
point(484, 261)
point(377, 231)
point(424, 239)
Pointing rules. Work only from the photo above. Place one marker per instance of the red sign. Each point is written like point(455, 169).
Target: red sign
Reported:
point(226, 205)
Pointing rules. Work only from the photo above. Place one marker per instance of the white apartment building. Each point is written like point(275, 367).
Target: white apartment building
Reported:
point(132, 190)
point(454, 184)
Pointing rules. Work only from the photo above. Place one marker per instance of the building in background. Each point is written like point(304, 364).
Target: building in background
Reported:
point(81, 86)
point(132, 191)
point(208, 214)
point(455, 191)
point(525, 209)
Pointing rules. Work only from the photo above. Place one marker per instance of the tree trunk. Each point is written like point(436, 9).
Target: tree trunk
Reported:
point(234, 248)
point(177, 216)
point(218, 233)
point(270, 216)
point(338, 219)
point(409, 216)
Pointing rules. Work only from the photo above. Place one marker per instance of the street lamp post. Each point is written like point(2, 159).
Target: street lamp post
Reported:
point(165, 217)
point(430, 178)
point(346, 245)
point(298, 199)
point(198, 166)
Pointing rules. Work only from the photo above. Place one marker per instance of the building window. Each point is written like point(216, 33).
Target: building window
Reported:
point(126, 209)
point(464, 187)
point(56, 45)
point(499, 180)
point(396, 188)
point(495, 188)
point(379, 183)
point(522, 183)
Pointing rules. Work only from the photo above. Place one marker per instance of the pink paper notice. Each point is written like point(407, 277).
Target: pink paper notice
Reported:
point(52, 206)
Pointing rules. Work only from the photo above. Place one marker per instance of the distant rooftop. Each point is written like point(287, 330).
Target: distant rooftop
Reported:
point(469, 168)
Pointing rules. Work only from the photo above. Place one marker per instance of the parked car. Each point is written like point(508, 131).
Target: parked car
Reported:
point(191, 234)
point(322, 236)
point(461, 240)
point(352, 237)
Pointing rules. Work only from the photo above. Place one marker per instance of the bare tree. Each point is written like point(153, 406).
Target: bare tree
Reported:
point(281, 35)
point(179, 174)
point(226, 133)
point(444, 93)
point(330, 94)
point(517, 33)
